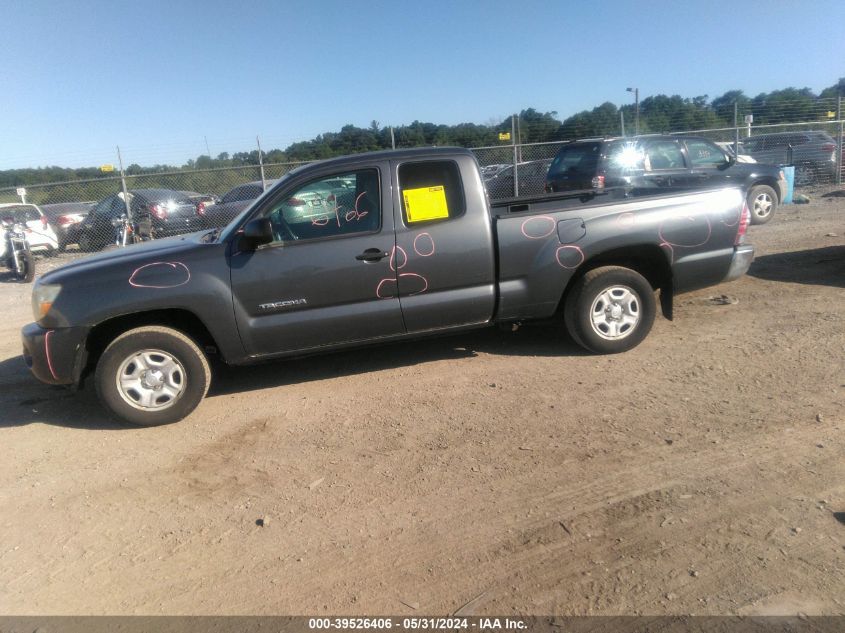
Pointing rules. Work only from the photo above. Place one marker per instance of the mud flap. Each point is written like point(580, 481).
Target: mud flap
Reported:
point(666, 301)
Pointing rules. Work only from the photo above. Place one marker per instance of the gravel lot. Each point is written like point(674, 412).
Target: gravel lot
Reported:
point(702, 472)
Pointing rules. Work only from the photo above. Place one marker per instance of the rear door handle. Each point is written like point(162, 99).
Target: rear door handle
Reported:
point(372, 255)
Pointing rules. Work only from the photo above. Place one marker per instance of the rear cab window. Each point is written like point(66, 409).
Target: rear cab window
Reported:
point(431, 191)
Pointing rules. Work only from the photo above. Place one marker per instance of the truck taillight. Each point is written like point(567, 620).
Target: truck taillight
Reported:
point(598, 182)
point(159, 210)
point(43, 221)
point(743, 224)
point(200, 208)
point(64, 220)
point(828, 147)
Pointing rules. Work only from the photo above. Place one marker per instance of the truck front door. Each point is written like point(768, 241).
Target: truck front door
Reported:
point(326, 278)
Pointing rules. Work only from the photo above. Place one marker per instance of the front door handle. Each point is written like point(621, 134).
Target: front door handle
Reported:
point(372, 255)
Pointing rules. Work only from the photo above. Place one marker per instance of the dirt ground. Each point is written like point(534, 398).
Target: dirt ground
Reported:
point(501, 473)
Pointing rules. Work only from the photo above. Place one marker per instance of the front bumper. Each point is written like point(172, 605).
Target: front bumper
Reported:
point(55, 356)
point(740, 262)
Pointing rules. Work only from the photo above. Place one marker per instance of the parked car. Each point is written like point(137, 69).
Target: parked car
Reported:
point(423, 253)
point(665, 162)
point(488, 171)
point(813, 152)
point(532, 179)
point(233, 202)
point(39, 234)
point(742, 157)
point(201, 200)
point(65, 218)
point(171, 213)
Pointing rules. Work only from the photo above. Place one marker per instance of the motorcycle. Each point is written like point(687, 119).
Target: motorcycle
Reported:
point(16, 252)
point(128, 232)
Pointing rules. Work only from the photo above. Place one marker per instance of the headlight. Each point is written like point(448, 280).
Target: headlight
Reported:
point(43, 296)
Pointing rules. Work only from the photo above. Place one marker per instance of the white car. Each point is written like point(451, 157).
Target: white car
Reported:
point(741, 158)
point(39, 233)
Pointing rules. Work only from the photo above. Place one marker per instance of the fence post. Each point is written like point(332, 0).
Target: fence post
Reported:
point(736, 130)
point(123, 185)
point(841, 136)
point(622, 120)
point(513, 142)
point(261, 165)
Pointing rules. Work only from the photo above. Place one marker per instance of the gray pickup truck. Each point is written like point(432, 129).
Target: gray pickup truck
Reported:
point(367, 249)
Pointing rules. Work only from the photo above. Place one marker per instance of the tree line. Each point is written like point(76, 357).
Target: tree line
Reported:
point(657, 113)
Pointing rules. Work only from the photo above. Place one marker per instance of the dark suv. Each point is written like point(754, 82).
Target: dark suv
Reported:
point(665, 162)
point(812, 152)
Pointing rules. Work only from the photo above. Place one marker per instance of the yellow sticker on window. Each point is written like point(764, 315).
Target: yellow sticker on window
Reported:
point(426, 203)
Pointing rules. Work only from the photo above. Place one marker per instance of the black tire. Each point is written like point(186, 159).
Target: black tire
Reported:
point(157, 343)
point(86, 243)
point(762, 203)
point(26, 273)
point(585, 295)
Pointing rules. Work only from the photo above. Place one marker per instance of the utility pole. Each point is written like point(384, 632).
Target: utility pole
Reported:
point(261, 165)
point(515, 162)
point(207, 151)
point(622, 120)
point(636, 92)
point(392, 139)
point(841, 139)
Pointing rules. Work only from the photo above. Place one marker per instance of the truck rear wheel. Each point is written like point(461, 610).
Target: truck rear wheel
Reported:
point(610, 310)
point(152, 375)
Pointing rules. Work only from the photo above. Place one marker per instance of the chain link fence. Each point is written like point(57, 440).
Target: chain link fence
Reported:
point(90, 215)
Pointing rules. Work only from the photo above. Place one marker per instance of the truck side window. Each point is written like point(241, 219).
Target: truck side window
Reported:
point(432, 189)
point(340, 204)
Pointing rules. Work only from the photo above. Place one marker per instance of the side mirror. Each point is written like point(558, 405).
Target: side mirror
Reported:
point(255, 233)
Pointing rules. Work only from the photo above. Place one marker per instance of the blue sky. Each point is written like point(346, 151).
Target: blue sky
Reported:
point(157, 77)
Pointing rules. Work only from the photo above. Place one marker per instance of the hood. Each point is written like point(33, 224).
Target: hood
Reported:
point(135, 253)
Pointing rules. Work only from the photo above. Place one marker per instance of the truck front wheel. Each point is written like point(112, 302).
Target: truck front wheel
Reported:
point(610, 310)
point(152, 375)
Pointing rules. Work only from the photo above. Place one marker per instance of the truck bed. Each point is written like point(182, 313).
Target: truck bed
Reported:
point(541, 240)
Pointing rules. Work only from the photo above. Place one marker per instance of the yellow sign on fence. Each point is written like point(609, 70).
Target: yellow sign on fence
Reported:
point(106, 168)
point(504, 136)
point(426, 203)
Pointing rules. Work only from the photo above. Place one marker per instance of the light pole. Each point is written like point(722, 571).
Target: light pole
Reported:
point(636, 92)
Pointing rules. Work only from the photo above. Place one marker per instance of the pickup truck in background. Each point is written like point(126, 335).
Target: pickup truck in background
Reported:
point(367, 249)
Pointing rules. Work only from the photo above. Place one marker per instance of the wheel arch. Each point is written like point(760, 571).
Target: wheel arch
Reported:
point(106, 331)
point(649, 260)
point(769, 182)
